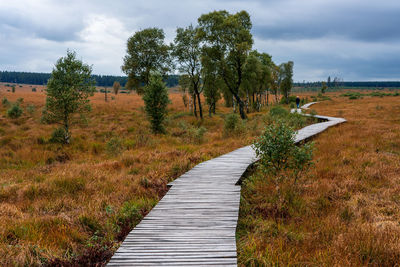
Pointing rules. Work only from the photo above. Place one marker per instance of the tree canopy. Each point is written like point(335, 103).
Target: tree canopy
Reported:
point(228, 41)
point(286, 84)
point(146, 53)
point(188, 51)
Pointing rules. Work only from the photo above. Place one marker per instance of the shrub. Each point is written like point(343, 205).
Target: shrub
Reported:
point(5, 102)
point(58, 136)
point(279, 154)
point(114, 146)
point(196, 135)
point(296, 120)
point(34, 89)
point(128, 216)
point(31, 109)
point(40, 140)
point(278, 111)
point(96, 148)
point(15, 111)
point(130, 143)
point(231, 122)
point(13, 89)
point(20, 101)
point(233, 125)
point(292, 99)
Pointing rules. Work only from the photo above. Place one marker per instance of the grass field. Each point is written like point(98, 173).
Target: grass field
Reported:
point(76, 203)
point(345, 210)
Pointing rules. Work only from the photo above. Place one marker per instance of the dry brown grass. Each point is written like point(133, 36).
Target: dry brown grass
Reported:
point(346, 211)
point(64, 202)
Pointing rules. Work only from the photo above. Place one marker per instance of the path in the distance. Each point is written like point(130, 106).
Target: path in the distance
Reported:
point(194, 224)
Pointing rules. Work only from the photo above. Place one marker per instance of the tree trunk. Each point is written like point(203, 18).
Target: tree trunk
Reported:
point(241, 107)
point(190, 103)
point(105, 94)
point(247, 102)
point(200, 109)
point(194, 106)
point(67, 137)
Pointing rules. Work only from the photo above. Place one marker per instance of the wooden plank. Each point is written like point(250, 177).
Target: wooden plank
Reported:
point(195, 223)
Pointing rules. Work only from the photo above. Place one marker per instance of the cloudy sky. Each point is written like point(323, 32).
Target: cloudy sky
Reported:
point(351, 39)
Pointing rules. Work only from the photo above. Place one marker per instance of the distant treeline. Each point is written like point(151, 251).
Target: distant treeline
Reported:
point(41, 78)
point(375, 84)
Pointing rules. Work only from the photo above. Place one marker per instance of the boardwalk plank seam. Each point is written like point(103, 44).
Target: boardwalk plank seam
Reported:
point(194, 224)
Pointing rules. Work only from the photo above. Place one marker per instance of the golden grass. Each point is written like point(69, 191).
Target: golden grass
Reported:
point(346, 210)
point(65, 202)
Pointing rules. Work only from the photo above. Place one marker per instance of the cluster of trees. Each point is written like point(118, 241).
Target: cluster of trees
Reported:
point(42, 78)
point(214, 58)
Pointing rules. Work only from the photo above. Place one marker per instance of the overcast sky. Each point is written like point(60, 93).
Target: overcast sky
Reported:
point(351, 39)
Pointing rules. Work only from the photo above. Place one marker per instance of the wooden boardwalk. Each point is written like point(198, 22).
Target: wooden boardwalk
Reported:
point(194, 224)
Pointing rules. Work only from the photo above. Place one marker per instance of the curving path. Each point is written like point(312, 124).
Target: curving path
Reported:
point(194, 224)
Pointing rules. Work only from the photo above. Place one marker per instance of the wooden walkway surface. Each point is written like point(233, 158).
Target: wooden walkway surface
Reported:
point(194, 224)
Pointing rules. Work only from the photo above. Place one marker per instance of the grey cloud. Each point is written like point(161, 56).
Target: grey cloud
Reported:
point(353, 39)
point(49, 29)
point(369, 24)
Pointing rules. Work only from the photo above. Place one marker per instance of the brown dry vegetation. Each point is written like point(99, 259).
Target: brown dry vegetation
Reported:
point(346, 210)
point(73, 204)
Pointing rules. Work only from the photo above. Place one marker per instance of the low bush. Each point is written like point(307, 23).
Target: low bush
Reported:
point(130, 144)
point(278, 112)
point(97, 148)
point(234, 125)
point(292, 99)
point(190, 133)
point(196, 134)
point(5, 102)
point(58, 136)
point(15, 111)
point(31, 109)
point(114, 146)
point(279, 155)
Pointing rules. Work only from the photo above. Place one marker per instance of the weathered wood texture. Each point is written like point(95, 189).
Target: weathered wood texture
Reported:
point(194, 224)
